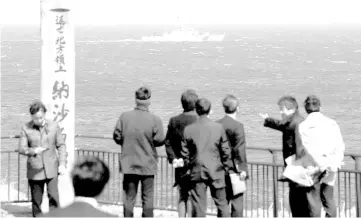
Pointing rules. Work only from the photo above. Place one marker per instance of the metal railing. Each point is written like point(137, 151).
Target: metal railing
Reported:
point(264, 197)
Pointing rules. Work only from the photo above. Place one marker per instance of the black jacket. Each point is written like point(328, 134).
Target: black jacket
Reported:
point(237, 143)
point(206, 151)
point(289, 128)
point(173, 140)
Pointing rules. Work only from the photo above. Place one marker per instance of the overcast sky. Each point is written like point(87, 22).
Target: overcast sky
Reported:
point(110, 12)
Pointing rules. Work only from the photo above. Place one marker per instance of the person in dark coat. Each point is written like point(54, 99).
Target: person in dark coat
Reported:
point(89, 177)
point(42, 142)
point(237, 141)
point(173, 141)
point(139, 132)
point(304, 201)
point(205, 151)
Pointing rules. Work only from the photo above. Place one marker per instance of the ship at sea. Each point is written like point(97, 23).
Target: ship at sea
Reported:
point(184, 35)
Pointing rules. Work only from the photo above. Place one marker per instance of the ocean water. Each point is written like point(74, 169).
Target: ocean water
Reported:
point(257, 64)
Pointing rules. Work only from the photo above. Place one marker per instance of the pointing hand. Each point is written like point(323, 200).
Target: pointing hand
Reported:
point(264, 116)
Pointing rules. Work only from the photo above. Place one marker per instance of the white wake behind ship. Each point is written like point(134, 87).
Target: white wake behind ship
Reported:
point(184, 35)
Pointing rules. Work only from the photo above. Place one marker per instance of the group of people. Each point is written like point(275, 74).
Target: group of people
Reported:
point(204, 153)
point(316, 145)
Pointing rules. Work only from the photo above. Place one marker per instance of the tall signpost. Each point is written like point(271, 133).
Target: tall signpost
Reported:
point(58, 78)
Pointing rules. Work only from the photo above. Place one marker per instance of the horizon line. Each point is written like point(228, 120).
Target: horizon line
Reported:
point(196, 24)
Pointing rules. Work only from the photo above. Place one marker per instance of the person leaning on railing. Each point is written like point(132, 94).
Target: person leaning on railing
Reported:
point(139, 132)
point(41, 140)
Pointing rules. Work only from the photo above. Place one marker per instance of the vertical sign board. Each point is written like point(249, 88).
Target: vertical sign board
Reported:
point(58, 81)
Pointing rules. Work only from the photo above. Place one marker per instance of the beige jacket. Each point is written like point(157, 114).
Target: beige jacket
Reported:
point(44, 165)
point(322, 141)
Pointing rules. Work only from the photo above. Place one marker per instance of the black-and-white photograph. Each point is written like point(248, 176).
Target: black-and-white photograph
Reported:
point(180, 108)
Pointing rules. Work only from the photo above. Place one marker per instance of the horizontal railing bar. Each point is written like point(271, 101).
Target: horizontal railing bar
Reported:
point(265, 164)
point(270, 164)
point(96, 150)
point(271, 150)
point(94, 136)
point(350, 171)
point(160, 155)
point(165, 156)
point(15, 201)
point(10, 137)
point(76, 136)
point(109, 202)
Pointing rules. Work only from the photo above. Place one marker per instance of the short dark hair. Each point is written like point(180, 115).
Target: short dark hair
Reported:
point(143, 93)
point(288, 101)
point(36, 106)
point(230, 104)
point(312, 104)
point(90, 176)
point(203, 106)
point(189, 99)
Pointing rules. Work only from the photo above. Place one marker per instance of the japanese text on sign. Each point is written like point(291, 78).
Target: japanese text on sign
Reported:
point(60, 44)
point(60, 90)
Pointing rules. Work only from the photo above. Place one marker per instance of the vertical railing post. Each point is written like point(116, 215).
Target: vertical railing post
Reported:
point(9, 175)
point(19, 190)
point(358, 186)
point(275, 183)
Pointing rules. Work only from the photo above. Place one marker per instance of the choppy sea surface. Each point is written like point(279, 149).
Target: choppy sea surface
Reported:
point(257, 64)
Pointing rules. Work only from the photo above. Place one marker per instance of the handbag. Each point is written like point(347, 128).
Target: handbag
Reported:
point(238, 185)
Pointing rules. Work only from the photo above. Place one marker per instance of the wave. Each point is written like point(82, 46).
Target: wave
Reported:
point(338, 62)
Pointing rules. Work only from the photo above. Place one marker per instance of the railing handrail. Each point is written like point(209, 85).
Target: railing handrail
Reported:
point(165, 156)
point(269, 149)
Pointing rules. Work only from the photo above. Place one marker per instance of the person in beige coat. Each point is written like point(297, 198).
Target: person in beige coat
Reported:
point(42, 142)
point(324, 148)
point(322, 139)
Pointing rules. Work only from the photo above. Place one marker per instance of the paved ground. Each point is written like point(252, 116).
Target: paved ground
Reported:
point(24, 210)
